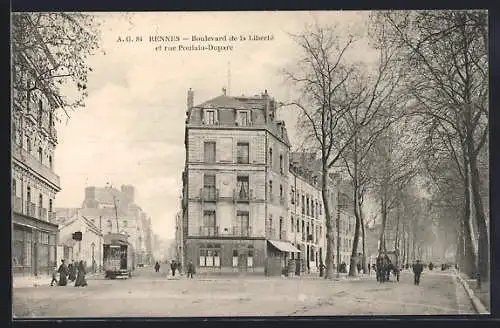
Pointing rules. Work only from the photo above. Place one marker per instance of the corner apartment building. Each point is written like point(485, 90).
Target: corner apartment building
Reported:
point(235, 183)
point(34, 182)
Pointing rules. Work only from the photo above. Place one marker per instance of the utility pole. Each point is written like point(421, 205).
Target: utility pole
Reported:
point(116, 215)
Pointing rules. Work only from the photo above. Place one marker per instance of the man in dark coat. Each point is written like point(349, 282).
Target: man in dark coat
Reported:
point(80, 278)
point(173, 266)
point(157, 267)
point(417, 271)
point(190, 269)
point(63, 272)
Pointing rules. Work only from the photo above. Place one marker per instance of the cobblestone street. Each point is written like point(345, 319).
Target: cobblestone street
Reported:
point(153, 295)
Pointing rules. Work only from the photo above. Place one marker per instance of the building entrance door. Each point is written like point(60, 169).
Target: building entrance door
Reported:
point(242, 263)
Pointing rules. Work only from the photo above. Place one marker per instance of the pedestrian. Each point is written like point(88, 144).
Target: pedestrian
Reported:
point(417, 272)
point(173, 266)
point(190, 269)
point(157, 267)
point(80, 278)
point(72, 271)
point(63, 272)
point(431, 266)
point(321, 269)
point(54, 277)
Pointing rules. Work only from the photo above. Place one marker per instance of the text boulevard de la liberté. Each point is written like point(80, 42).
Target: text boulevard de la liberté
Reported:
point(195, 42)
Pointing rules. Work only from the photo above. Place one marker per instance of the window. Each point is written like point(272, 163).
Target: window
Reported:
point(28, 144)
point(50, 162)
point(281, 192)
point(292, 226)
point(271, 157)
point(110, 225)
point(242, 187)
point(292, 196)
point(281, 225)
point(40, 154)
point(242, 153)
point(51, 120)
point(28, 194)
point(320, 209)
point(303, 204)
point(209, 149)
point(271, 190)
point(235, 258)
point(307, 206)
point(210, 256)
point(209, 218)
point(210, 117)
point(281, 164)
point(250, 256)
point(244, 222)
point(124, 224)
point(209, 189)
point(14, 184)
point(40, 201)
point(243, 118)
point(320, 232)
point(40, 111)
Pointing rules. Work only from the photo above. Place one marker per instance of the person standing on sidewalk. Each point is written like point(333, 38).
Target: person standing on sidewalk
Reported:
point(417, 272)
point(80, 278)
point(173, 266)
point(63, 272)
point(157, 267)
point(190, 269)
point(54, 277)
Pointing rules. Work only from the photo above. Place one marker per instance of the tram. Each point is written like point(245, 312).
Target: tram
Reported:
point(118, 256)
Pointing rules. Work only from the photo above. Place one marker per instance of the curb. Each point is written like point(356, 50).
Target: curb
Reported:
point(476, 302)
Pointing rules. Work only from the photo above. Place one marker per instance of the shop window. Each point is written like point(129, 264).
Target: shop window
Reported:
point(250, 258)
point(210, 256)
point(235, 258)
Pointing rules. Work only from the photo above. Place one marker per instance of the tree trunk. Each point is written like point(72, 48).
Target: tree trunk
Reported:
point(396, 240)
point(383, 211)
point(329, 274)
point(353, 271)
point(365, 262)
point(483, 245)
point(469, 265)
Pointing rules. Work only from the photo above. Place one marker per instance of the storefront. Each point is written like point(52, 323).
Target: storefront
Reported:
point(33, 246)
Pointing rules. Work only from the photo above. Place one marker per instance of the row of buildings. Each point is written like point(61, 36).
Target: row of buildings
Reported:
point(249, 204)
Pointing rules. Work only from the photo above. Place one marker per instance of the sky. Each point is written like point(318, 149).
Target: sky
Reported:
point(131, 130)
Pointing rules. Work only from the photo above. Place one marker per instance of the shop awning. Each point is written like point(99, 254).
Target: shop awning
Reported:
point(284, 246)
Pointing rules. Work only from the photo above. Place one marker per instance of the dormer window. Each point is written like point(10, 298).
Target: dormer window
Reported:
point(243, 118)
point(210, 117)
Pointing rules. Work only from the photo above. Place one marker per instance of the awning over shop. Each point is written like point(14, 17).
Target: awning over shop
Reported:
point(284, 246)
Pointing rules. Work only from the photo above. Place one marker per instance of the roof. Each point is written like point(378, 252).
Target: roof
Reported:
point(72, 220)
point(224, 101)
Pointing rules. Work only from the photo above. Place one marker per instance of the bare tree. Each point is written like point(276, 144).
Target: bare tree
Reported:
point(49, 53)
point(447, 51)
point(318, 78)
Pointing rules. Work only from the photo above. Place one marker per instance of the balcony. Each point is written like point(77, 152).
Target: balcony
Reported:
point(209, 231)
point(42, 214)
point(271, 233)
point(33, 163)
point(239, 231)
point(52, 216)
point(31, 210)
point(209, 194)
point(283, 235)
point(17, 205)
point(241, 196)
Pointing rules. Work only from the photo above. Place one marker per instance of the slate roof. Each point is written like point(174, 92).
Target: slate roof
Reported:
point(224, 102)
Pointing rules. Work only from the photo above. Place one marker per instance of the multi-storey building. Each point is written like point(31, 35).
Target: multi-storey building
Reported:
point(235, 183)
point(307, 220)
point(179, 241)
point(34, 183)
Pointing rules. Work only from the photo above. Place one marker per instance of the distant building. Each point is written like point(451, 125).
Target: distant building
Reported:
point(89, 249)
point(179, 239)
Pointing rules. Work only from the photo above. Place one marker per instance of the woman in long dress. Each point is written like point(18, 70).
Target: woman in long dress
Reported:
point(80, 278)
point(63, 272)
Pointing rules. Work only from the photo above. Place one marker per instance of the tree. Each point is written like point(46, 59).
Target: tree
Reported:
point(447, 51)
point(318, 78)
point(49, 52)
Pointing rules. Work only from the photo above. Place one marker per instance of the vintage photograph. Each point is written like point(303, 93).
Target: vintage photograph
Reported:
point(272, 163)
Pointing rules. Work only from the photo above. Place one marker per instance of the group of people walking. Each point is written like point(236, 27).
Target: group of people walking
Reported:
point(74, 272)
point(176, 267)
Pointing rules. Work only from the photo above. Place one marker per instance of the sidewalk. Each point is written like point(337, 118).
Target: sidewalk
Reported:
point(42, 280)
point(479, 299)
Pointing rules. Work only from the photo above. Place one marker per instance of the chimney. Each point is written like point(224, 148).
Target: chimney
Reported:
point(224, 91)
point(190, 97)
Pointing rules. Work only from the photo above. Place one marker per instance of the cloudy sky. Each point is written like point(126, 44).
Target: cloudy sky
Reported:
point(132, 128)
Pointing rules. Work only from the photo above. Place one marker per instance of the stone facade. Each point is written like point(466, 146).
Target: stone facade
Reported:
point(34, 182)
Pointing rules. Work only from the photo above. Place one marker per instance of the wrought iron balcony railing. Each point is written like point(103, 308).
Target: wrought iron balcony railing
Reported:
point(239, 231)
point(209, 231)
point(243, 196)
point(209, 194)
